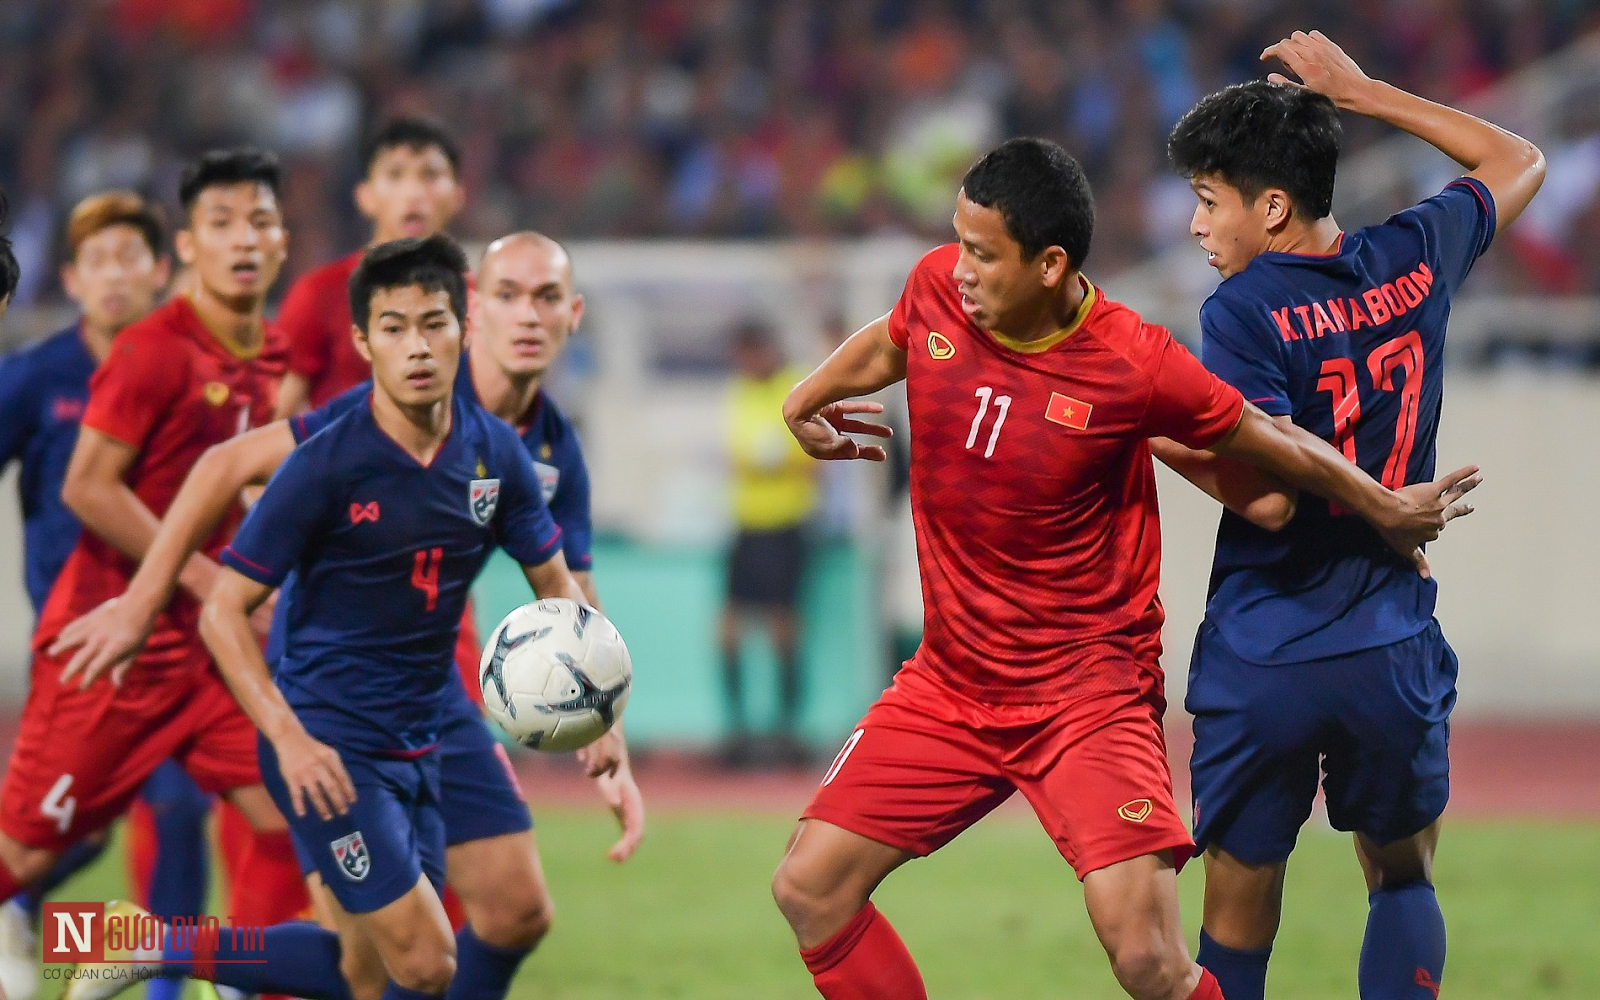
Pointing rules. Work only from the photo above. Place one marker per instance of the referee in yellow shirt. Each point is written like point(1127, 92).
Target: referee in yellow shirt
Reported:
point(774, 494)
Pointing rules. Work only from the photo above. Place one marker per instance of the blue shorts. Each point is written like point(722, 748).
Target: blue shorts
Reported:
point(478, 788)
point(1378, 721)
point(392, 835)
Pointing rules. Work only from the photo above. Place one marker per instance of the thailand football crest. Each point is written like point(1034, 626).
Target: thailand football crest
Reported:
point(549, 479)
point(351, 853)
point(482, 499)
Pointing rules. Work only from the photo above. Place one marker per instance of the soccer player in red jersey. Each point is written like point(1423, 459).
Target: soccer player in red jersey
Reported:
point(409, 188)
point(188, 376)
point(1032, 398)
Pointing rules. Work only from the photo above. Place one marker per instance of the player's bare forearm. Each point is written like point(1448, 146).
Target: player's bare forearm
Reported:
point(551, 578)
point(866, 362)
point(208, 493)
point(294, 396)
point(225, 629)
point(1511, 167)
point(1304, 460)
point(819, 411)
point(96, 491)
point(1257, 496)
point(591, 593)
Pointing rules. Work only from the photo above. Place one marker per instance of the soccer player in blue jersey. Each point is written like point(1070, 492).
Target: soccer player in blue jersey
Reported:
point(1319, 646)
point(528, 310)
point(385, 517)
point(115, 271)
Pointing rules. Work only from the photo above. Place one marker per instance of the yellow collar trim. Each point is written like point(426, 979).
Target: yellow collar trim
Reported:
point(1045, 343)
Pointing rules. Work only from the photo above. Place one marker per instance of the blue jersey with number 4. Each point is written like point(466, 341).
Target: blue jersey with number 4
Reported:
point(548, 436)
point(1350, 345)
point(384, 550)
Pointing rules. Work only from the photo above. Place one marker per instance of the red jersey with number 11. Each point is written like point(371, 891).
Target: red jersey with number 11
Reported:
point(1033, 492)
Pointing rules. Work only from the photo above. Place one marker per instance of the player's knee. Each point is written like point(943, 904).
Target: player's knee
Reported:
point(364, 973)
point(425, 969)
point(1147, 967)
point(806, 903)
point(517, 923)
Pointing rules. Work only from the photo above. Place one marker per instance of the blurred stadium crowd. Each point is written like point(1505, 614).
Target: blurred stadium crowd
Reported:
point(722, 118)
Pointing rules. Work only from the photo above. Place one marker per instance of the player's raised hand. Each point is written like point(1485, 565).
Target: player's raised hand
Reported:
point(107, 638)
point(1323, 66)
point(1424, 510)
point(825, 434)
point(315, 776)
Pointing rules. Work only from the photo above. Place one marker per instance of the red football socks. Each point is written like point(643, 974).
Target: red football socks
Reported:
point(867, 960)
point(1209, 988)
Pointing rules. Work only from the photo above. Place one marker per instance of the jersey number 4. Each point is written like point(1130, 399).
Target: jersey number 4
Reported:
point(425, 573)
point(1384, 364)
point(1002, 404)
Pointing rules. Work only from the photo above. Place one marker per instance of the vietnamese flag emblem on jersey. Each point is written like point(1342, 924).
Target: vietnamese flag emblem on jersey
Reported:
point(1068, 412)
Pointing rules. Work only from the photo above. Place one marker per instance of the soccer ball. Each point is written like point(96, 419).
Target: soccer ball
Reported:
point(555, 674)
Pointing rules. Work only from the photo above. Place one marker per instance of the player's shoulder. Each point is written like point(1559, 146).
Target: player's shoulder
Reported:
point(333, 275)
point(935, 270)
point(166, 324)
point(45, 356)
point(1124, 333)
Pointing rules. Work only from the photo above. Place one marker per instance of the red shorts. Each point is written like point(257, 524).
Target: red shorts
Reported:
point(926, 763)
point(468, 651)
point(81, 756)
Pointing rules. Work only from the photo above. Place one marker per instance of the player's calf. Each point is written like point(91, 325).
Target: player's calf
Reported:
point(22, 865)
point(501, 886)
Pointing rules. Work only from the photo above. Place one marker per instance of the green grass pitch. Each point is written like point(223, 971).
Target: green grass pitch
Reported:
point(999, 915)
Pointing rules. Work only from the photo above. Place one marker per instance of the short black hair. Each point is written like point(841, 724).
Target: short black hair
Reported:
point(1040, 191)
point(239, 165)
point(434, 264)
point(10, 270)
point(415, 133)
point(1261, 135)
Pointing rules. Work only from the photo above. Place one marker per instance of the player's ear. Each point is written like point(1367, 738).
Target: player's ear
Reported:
point(69, 280)
point(1276, 208)
point(183, 244)
point(1054, 266)
point(358, 337)
point(577, 312)
point(366, 201)
point(163, 271)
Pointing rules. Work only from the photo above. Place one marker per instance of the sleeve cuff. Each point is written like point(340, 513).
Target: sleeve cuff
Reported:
point(245, 566)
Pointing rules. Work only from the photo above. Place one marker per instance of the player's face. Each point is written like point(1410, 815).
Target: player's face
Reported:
point(235, 242)
point(1231, 232)
point(413, 340)
point(409, 191)
point(114, 277)
point(998, 287)
point(526, 305)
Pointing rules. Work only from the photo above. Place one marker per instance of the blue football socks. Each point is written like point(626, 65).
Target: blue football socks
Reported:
point(483, 972)
point(1241, 974)
point(1402, 955)
point(298, 959)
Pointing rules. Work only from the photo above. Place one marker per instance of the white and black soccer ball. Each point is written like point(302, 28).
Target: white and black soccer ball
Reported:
point(555, 674)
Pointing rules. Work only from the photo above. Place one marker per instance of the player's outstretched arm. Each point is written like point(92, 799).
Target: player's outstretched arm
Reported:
point(108, 637)
point(312, 770)
point(1258, 497)
point(1511, 167)
point(1406, 518)
point(606, 759)
point(817, 410)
